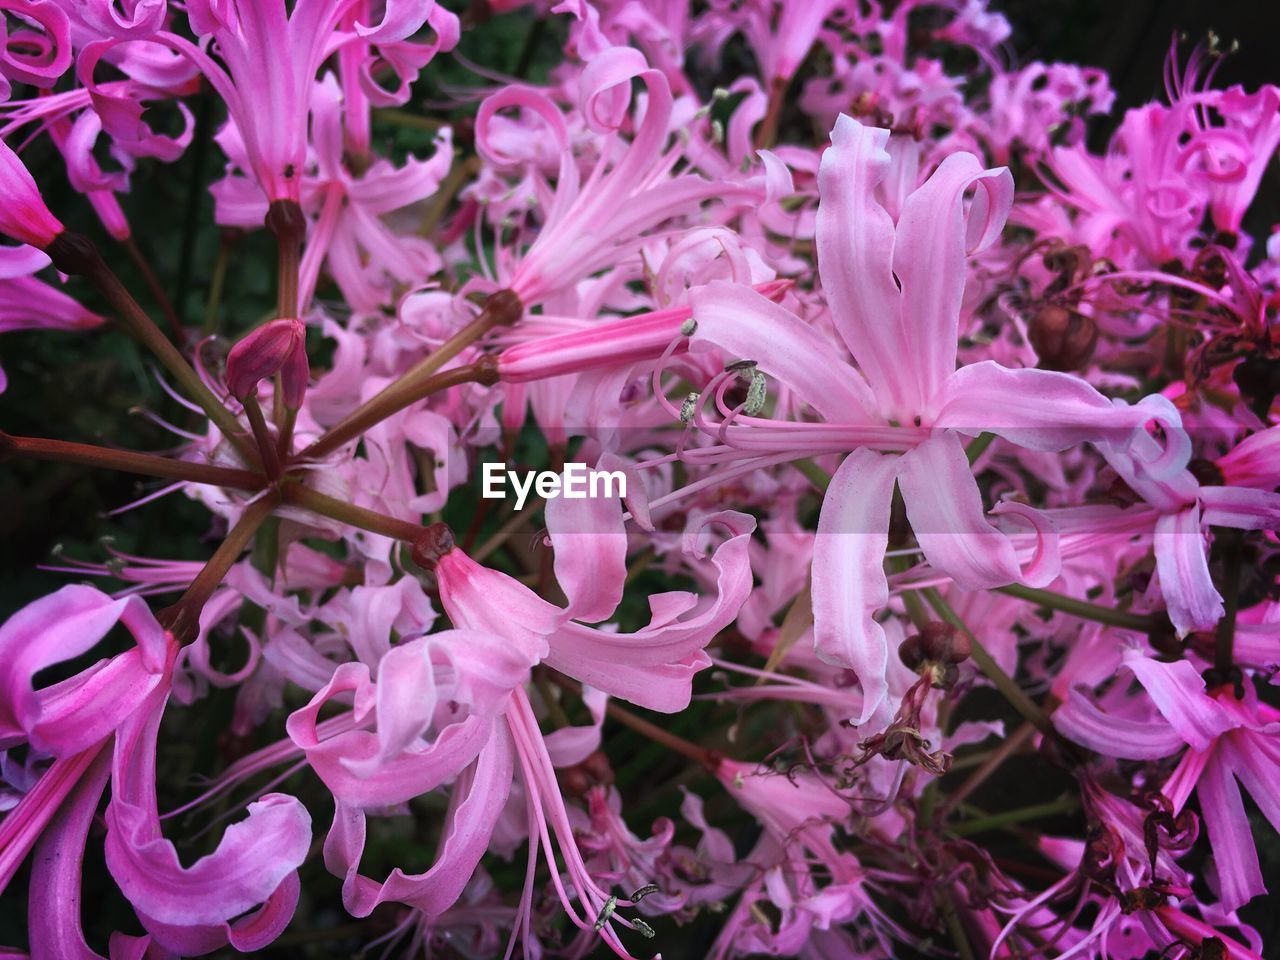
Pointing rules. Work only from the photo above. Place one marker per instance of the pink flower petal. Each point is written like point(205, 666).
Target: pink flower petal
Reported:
point(945, 510)
point(849, 583)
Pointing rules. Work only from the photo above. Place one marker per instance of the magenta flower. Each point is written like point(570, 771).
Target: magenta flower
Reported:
point(488, 733)
point(23, 214)
point(936, 614)
point(1229, 739)
point(112, 710)
point(276, 54)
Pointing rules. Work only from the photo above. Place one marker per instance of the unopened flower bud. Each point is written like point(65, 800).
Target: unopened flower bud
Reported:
point(1063, 339)
point(279, 346)
point(436, 540)
point(23, 214)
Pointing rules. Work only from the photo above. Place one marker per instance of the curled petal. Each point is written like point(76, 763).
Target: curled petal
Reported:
point(73, 715)
point(253, 859)
point(132, 20)
point(1035, 409)
point(1183, 565)
point(749, 326)
point(37, 58)
point(478, 800)
point(654, 666)
point(590, 546)
point(1080, 720)
point(1046, 561)
point(1177, 690)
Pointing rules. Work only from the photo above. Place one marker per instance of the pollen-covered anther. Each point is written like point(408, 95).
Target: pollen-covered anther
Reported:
point(689, 407)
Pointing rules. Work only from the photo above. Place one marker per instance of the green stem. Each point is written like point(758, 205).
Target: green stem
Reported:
point(127, 461)
point(183, 618)
point(816, 475)
point(216, 285)
point(1080, 608)
point(955, 927)
point(1064, 804)
point(419, 383)
point(978, 446)
point(297, 495)
point(987, 664)
point(403, 118)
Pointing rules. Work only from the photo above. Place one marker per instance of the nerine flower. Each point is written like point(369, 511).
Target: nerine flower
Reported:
point(630, 190)
point(895, 289)
point(270, 56)
point(1227, 739)
point(103, 722)
point(451, 708)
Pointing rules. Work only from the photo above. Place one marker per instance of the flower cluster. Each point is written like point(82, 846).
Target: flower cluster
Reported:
point(929, 609)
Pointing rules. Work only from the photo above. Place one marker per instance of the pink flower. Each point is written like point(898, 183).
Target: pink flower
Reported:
point(602, 221)
point(1229, 739)
point(270, 57)
point(30, 304)
point(810, 882)
point(23, 215)
point(113, 710)
point(1181, 509)
point(895, 291)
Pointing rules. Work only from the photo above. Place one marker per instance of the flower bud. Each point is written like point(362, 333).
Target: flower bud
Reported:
point(1063, 339)
point(276, 347)
point(23, 215)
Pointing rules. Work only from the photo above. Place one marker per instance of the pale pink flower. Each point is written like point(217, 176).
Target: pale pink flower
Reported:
point(895, 292)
